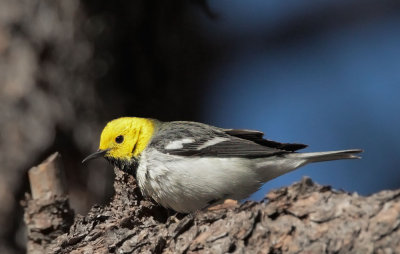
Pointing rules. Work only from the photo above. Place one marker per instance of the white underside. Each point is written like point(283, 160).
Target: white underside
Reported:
point(187, 184)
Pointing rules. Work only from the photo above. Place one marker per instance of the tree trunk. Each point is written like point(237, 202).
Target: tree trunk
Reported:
point(302, 218)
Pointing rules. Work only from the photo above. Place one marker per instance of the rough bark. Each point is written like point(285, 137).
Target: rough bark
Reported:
point(47, 211)
point(304, 217)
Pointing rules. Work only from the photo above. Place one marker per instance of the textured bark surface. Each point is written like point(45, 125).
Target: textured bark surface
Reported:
point(304, 217)
point(47, 211)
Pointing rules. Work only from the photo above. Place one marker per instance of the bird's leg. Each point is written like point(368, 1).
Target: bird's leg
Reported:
point(172, 216)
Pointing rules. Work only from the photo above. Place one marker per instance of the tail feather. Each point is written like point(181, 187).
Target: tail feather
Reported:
point(329, 156)
point(270, 169)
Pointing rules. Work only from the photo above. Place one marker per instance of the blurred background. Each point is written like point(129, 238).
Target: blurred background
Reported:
point(323, 73)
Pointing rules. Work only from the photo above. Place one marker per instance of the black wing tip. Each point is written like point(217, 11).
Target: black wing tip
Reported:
point(289, 147)
point(292, 146)
point(257, 137)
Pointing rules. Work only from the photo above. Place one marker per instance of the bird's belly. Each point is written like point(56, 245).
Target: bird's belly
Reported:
point(186, 184)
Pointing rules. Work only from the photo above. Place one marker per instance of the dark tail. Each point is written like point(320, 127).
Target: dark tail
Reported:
point(329, 156)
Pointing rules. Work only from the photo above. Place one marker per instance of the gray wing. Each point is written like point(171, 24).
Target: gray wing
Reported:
point(197, 139)
point(257, 137)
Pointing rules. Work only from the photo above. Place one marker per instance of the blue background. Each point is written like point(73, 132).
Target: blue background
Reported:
point(335, 88)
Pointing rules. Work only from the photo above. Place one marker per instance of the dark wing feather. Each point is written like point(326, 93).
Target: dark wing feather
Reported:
point(230, 146)
point(257, 137)
point(233, 147)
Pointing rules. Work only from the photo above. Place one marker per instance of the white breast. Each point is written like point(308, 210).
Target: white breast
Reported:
point(186, 184)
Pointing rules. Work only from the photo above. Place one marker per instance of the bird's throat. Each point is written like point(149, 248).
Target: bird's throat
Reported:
point(127, 166)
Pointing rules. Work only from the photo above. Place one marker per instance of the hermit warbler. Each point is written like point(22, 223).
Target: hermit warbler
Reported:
point(188, 166)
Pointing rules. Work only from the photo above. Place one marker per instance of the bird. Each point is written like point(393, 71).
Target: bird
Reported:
point(189, 166)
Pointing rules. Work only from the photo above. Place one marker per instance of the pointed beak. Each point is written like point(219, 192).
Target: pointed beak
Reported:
point(97, 154)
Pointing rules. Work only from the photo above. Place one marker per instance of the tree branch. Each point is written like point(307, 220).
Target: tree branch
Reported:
point(304, 217)
point(47, 212)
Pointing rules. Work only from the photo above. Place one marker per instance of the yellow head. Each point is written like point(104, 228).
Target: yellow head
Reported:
point(124, 138)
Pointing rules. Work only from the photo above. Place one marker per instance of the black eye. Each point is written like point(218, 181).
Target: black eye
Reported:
point(119, 139)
